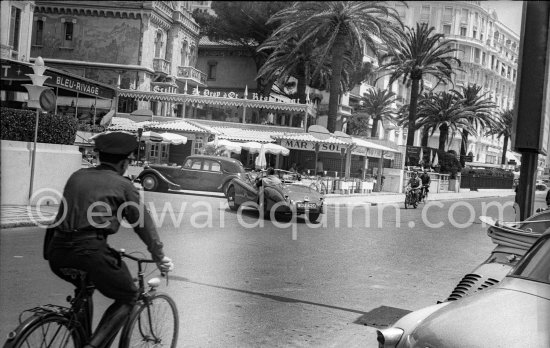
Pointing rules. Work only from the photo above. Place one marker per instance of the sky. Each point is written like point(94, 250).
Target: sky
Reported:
point(508, 12)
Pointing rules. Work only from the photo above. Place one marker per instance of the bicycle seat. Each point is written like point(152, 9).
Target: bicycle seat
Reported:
point(74, 273)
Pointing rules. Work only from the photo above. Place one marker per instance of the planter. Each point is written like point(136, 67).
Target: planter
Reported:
point(54, 164)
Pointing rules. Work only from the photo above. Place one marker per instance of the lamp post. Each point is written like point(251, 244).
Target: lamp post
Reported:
point(37, 100)
point(140, 133)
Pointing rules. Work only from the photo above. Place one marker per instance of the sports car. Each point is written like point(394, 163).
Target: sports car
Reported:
point(513, 313)
point(286, 197)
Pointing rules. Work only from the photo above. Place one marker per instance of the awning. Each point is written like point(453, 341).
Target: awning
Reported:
point(371, 145)
point(307, 137)
point(181, 126)
point(233, 100)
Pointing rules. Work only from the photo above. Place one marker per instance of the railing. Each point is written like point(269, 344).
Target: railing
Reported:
point(486, 182)
point(188, 72)
point(161, 65)
point(188, 23)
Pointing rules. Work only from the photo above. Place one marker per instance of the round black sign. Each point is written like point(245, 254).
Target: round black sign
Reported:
point(47, 100)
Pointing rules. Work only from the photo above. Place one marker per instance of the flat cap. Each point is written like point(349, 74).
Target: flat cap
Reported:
point(116, 143)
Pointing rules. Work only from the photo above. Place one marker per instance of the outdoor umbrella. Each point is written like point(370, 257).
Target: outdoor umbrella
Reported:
point(421, 157)
point(274, 149)
point(151, 136)
point(226, 145)
point(174, 139)
point(435, 161)
point(261, 161)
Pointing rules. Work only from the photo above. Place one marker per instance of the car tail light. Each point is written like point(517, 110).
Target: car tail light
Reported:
point(389, 338)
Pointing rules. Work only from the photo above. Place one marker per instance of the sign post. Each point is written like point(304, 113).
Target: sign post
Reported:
point(531, 123)
point(38, 99)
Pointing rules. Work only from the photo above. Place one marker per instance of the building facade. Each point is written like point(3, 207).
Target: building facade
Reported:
point(144, 46)
point(16, 24)
point(488, 51)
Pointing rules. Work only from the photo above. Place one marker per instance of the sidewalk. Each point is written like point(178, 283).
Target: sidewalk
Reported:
point(19, 216)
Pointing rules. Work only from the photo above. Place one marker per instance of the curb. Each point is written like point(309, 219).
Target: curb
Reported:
point(373, 204)
point(27, 223)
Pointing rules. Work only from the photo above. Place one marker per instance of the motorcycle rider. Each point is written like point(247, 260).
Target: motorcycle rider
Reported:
point(414, 184)
point(426, 181)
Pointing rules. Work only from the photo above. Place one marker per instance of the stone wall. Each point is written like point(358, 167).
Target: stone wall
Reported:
point(53, 166)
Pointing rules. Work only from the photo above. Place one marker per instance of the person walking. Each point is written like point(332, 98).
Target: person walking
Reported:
point(95, 200)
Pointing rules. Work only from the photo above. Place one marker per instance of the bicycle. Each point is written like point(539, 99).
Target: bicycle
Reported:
point(424, 193)
point(153, 322)
point(411, 198)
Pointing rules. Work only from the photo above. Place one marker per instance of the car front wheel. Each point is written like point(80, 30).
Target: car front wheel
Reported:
point(231, 198)
point(313, 217)
point(150, 182)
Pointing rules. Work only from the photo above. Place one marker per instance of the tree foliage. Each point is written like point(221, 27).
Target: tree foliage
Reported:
point(245, 23)
point(342, 28)
point(417, 53)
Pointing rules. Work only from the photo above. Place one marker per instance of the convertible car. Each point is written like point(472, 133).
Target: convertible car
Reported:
point(513, 313)
point(198, 173)
point(285, 198)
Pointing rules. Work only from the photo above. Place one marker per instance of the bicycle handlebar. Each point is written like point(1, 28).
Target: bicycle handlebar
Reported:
point(137, 259)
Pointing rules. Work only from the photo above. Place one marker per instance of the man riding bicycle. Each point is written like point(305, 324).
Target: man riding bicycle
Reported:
point(414, 184)
point(95, 200)
point(426, 181)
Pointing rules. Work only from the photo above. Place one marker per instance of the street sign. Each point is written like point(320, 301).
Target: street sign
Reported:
point(47, 100)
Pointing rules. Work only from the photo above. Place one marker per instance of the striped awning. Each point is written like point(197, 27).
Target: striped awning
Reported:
point(181, 126)
point(370, 145)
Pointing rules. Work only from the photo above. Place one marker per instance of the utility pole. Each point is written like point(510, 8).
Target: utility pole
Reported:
point(531, 125)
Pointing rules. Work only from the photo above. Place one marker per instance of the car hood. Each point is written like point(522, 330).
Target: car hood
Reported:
point(299, 192)
point(514, 314)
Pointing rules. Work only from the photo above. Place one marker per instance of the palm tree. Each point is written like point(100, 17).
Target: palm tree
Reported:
point(378, 104)
point(482, 118)
point(287, 60)
point(342, 26)
point(414, 54)
point(443, 112)
point(504, 129)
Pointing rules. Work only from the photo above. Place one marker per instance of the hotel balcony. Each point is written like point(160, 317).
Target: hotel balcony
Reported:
point(191, 75)
point(161, 66)
point(345, 110)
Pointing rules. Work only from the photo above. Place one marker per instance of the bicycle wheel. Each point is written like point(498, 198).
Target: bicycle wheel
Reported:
point(153, 325)
point(50, 331)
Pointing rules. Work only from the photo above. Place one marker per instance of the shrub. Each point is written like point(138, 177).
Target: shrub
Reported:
point(449, 163)
point(19, 125)
point(493, 172)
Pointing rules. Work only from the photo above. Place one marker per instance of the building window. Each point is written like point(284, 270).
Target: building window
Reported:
point(184, 48)
point(481, 36)
point(158, 44)
point(464, 17)
point(15, 26)
point(154, 150)
point(446, 29)
point(212, 70)
point(448, 14)
point(462, 31)
point(39, 32)
point(474, 33)
point(425, 13)
point(68, 30)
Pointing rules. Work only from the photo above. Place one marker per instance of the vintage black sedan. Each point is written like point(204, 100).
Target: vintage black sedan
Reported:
point(286, 198)
point(198, 173)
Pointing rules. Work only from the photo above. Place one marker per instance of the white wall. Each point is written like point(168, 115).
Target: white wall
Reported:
point(53, 166)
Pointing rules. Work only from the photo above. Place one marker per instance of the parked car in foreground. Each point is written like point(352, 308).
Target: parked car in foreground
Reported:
point(284, 199)
point(512, 242)
point(198, 173)
point(513, 313)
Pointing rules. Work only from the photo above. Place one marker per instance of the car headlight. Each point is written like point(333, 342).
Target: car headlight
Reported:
point(389, 338)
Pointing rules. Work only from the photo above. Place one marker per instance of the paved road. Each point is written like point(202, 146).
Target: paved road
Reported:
point(299, 285)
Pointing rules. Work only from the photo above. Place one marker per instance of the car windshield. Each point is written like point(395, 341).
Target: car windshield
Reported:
point(535, 264)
